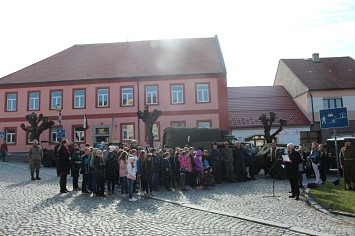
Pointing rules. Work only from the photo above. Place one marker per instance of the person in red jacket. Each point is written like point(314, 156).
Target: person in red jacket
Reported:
point(3, 150)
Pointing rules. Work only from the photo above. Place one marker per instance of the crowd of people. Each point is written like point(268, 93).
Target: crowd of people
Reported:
point(144, 170)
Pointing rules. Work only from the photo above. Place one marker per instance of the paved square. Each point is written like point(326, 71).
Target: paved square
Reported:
point(36, 208)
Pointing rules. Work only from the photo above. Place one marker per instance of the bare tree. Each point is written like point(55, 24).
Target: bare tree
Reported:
point(37, 129)
point(267, 124)
point(149, 118)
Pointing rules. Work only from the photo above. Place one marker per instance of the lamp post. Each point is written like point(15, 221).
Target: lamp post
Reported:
point(58, 108)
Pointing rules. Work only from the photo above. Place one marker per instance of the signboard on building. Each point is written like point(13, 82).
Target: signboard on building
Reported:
point(60, 133)
point(334, 118)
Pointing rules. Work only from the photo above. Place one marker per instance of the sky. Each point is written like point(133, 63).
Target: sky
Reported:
point(254, 35)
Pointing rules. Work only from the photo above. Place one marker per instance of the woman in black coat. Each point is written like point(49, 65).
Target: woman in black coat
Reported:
point(292, 169)
point(147, 170)
point(63, 165)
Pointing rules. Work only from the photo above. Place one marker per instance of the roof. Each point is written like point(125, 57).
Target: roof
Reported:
point(246, 104)
point(124, 60)
point(328, 73)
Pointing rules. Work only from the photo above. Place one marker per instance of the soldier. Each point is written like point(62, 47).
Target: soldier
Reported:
point(35, 155)
point(227, 158)
point(347, 162)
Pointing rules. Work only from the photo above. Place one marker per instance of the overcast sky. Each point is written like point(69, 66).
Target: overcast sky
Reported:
point(253, 35)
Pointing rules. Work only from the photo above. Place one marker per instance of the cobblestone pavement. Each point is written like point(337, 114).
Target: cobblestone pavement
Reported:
point(36, 208)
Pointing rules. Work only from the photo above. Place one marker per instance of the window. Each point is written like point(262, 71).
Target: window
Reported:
point(151, 93)
point(56, 99)
point(177, 124)
point(204, 124)
point(102, 97)
point(127, 132)
point(330, 103)
point(33, 101)
point(29, 140)
point(54, 135)
point(177, 94)
point(127, 96)
point(79, 134)
point(203, 93)
point(79, 98)
point(10, 136)
point(11, 101)
point(155, 131)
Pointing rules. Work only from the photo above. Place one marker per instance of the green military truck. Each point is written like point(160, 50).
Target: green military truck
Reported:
point(196, 137)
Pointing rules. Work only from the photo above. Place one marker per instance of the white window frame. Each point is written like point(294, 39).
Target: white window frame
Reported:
point(34, 101)
point(54, 132)
point(79, 134)
point(198, 124)
point(56, 100)
point(150, 95)
point(126, 131)
point(79, 97)
point(335, 102)
point(11, 103)
point(172, 124)
point(205, 93)
point(175, 94)
point(101, 97)
point(11, 135)
point(127, 96)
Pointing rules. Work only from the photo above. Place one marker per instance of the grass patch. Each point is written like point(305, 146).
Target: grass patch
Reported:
point(334, 197)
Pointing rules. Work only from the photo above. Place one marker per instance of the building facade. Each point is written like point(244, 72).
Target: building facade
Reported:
point(110, 83)
point(320, 83)
point(246, 104)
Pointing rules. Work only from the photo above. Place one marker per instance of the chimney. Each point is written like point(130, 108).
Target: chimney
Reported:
point(315, 57)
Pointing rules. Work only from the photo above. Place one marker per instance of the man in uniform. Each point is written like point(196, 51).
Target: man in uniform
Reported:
point(215, 157)
point(347, 162)
point(35, 155)
point(227, 158)
point(239, 162)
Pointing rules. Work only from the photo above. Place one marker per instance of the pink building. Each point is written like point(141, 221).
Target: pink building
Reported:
point(184, 78)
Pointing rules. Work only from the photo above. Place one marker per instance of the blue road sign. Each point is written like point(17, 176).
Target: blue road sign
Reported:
point(334, 118)
point(60, 133)
point(2, 134)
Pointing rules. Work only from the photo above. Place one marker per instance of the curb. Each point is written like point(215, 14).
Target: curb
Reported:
point(242, 217)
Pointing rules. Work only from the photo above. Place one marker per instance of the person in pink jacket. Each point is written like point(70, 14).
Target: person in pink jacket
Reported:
point(199, 168)
point(183, 170)
point(123, 174)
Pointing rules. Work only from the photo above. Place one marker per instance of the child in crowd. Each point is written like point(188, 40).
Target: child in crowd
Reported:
point(199, 168)
point(183, 170)
point(207, 179)
point(131, 177)
point(167, 172)
point(205, 159)
point(100, 173)
point(147, 174)
point(75, 168)
point(189, 173)
point(134, 155)
point(139, 163)
point(123, 174)
point(111, 172)
point(85, 169)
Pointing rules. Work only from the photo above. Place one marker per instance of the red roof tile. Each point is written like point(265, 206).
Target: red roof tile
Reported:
point(246, 104)
point(123, 60)
point(328, 73)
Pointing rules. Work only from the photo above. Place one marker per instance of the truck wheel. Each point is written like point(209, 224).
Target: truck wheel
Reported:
point(257, 169)
point(47, 160)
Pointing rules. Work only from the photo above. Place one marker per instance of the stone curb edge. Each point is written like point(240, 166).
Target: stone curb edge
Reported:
point(242, 217)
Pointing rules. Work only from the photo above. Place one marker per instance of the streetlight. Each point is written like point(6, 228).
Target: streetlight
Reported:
point(58, 108)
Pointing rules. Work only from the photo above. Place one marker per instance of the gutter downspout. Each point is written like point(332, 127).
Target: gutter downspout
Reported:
point(310, 93)
point(139, 129)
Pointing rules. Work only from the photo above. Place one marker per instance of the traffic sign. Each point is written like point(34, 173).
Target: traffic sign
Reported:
point(334, 118)
point(60, 133)
point(2, 134)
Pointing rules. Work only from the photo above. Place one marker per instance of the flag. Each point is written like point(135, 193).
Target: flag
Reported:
point(114, 120)
point(188, 139)
point(85, 124)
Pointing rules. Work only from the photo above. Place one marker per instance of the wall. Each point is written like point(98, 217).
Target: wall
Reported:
point(189, 112)
point(288, 135)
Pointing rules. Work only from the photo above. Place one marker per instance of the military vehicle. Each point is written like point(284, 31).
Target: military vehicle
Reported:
point(196, 137)
point(262, 160)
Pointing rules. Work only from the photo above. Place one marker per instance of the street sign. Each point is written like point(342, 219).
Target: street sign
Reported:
point(60, 133)
point(2, 134)
point(334, 118)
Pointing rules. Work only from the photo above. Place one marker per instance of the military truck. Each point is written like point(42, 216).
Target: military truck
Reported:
point(262, 160)
point(196, 137)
